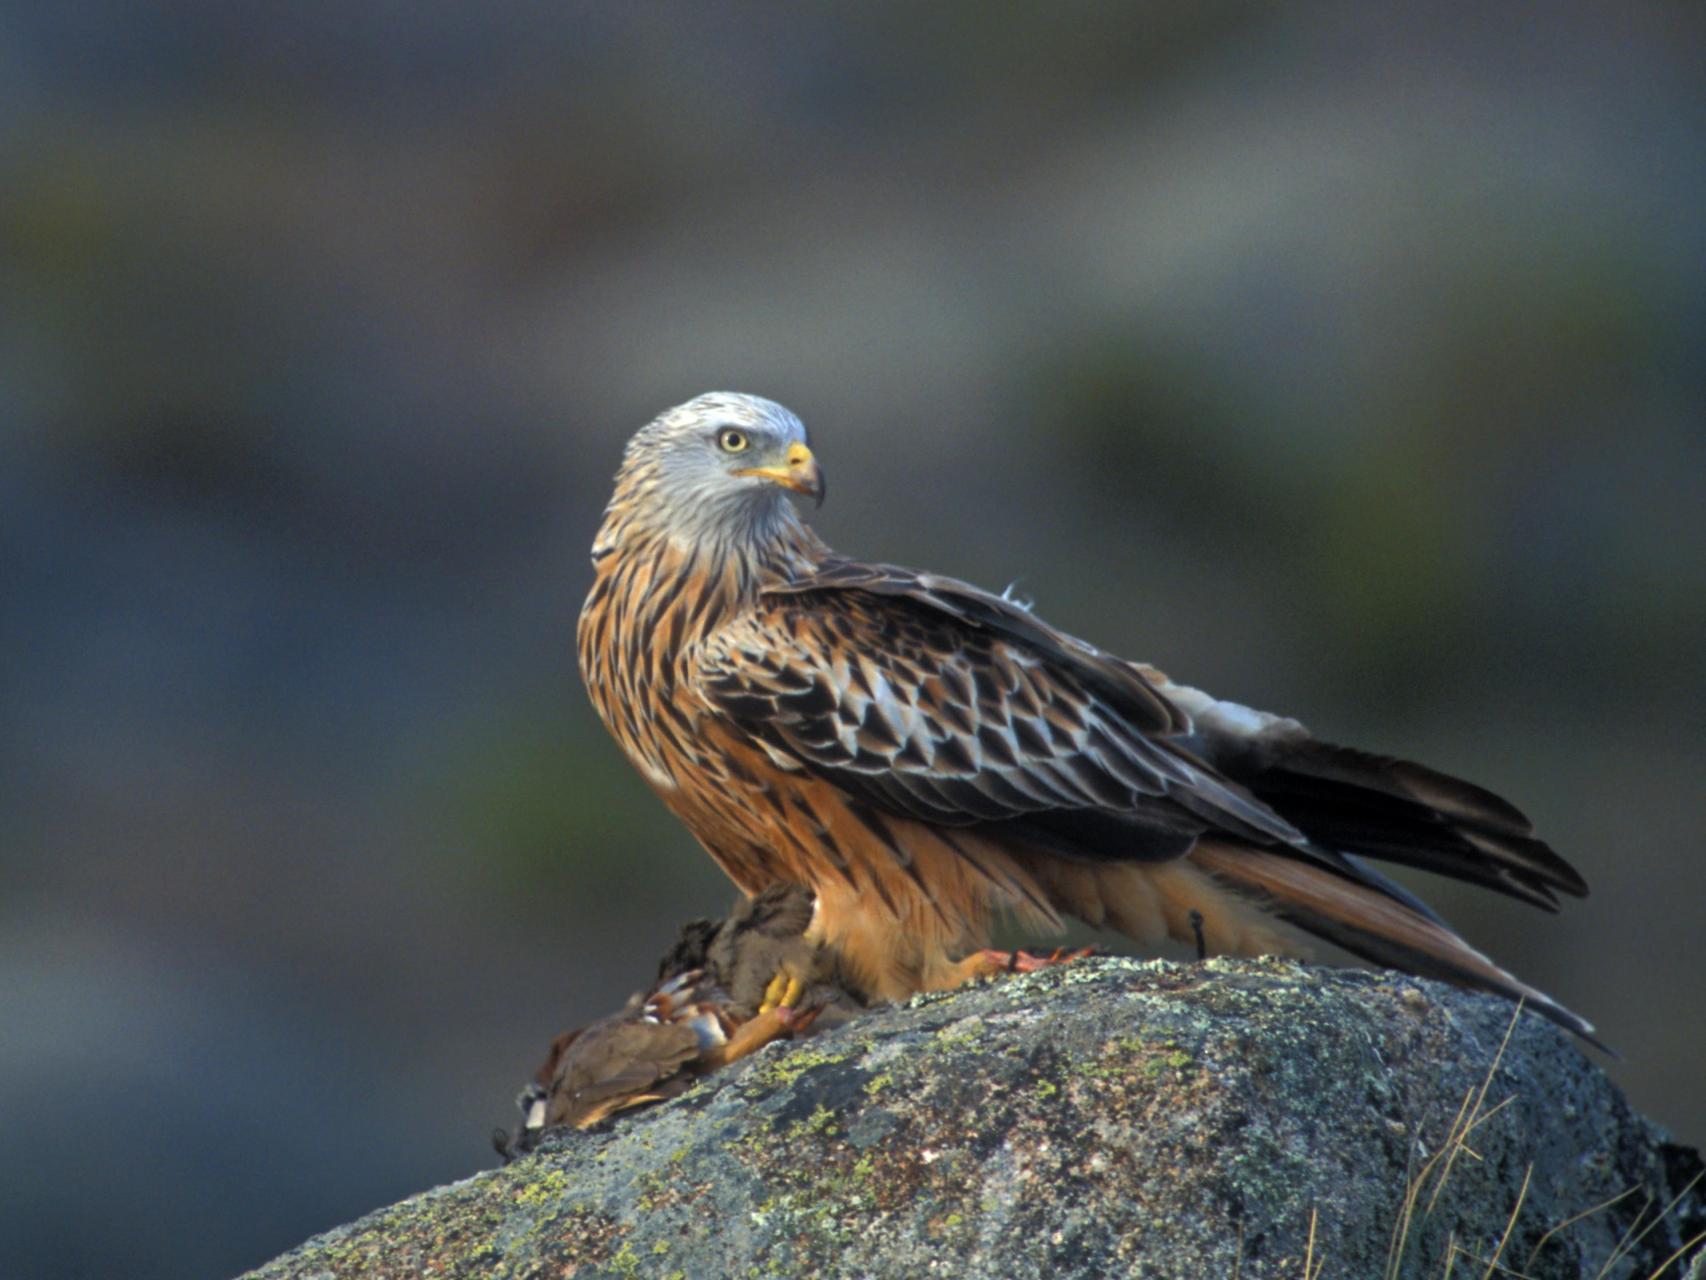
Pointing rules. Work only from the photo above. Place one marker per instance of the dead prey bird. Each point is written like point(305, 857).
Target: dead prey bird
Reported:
point(724, 990)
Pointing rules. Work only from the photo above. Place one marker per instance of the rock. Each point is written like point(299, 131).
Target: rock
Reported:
point(1104, 1118)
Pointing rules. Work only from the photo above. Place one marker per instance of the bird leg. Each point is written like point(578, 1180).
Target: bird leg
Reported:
point(990, 963)
point(1195, 919)
point(753, 1034)
point(778, 1016)
point(783, 992)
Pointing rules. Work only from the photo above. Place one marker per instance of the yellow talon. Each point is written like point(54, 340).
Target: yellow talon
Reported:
point(783, 991)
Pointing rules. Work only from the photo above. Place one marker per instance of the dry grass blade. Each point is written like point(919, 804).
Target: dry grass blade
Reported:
point(1510, 1225)
point(1496, 1267)
point(1472, 1113)
point(1310, 1271)
point(1624, 1242)
point(1627, 1244)
point(1470, 1116)
point(1413, 1190)
point(1454, 1149)
point(1572, 1220)
point(1675, 1257)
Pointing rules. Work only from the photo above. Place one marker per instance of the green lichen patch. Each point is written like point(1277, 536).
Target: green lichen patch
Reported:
point(790, 1066)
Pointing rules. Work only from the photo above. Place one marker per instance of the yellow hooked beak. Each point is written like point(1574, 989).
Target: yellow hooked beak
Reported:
point(801, 473)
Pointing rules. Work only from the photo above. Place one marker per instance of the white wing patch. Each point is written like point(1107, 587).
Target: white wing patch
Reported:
point(1214, 715)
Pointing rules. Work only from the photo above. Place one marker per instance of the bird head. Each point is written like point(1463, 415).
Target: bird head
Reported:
point(722, 462)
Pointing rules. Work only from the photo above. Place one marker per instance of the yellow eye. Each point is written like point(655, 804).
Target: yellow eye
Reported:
point(732, 441)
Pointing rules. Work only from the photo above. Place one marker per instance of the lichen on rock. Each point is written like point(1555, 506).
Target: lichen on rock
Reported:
point(1105, 1118)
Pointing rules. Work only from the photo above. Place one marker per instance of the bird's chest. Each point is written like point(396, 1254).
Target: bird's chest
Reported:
point(654, 716)
point(711, 788)
point(637, 642)
point(642, 641)
point(725, 810)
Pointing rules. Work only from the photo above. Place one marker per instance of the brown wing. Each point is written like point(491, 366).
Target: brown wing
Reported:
point(928, 698)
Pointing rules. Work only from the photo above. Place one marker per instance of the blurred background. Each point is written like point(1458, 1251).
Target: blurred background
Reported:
point(1347, 363)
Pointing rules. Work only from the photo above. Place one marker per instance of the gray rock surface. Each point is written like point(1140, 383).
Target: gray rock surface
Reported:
point(1104, 1118)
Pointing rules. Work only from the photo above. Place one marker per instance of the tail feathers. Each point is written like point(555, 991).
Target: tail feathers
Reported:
point(1405, 812)
point(1370, 924)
